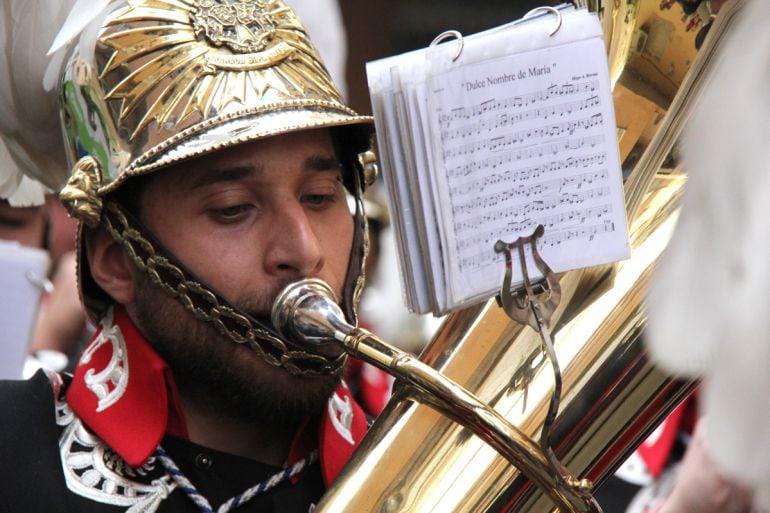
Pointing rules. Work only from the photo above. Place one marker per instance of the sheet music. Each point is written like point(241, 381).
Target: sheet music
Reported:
point(519, 130)
point(528, 139)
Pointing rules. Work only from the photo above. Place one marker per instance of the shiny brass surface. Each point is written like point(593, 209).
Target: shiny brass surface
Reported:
point(416, 459)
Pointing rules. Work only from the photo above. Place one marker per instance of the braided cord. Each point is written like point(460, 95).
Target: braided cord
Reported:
point(203, 504)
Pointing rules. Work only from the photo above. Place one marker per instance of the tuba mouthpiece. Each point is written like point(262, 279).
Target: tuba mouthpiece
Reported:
point(306, 313)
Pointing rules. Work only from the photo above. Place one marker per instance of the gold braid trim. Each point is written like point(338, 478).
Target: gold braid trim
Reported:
point(206, 306)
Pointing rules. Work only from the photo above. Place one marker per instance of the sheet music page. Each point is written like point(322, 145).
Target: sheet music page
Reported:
point(431, 235)
point(19, 301)
point(522, 140)
point(402, 152)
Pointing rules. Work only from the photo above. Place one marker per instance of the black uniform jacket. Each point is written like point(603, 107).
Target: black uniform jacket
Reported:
point(51, 463)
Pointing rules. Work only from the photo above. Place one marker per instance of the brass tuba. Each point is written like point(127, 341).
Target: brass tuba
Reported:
point(417, 459)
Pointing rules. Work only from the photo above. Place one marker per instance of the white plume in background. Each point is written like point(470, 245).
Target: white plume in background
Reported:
point(710, 301)
point(29, 114)
point(29, 119)
point(324, 24)
point(16, 187)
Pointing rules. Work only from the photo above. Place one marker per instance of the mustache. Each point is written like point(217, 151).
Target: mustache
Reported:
point(260, 307)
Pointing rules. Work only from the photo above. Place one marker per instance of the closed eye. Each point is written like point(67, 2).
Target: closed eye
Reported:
point(319, 200)
point(231, 214)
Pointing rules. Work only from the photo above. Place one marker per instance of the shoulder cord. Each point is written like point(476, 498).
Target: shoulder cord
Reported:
point(234, 502)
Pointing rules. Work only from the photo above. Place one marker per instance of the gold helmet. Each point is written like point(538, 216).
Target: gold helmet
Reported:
point(169, 80)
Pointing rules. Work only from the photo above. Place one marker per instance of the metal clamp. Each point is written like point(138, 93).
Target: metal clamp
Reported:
point(522, 305)
point(517, 303)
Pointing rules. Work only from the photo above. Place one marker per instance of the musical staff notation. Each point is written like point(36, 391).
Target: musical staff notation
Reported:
point(481, 258)
point(505, 104)
point(476, 239)
point(453, 173)
point(502, 120)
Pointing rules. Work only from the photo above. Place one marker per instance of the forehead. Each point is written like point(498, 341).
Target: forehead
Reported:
point(270, 158)
point(22, 224)
point(290, 149)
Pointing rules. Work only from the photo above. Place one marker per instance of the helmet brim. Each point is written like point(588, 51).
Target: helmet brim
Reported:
point(218, 134)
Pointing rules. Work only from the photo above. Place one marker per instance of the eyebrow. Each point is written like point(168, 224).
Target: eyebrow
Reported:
point(316, 162)
point(228, 174)
point(322, 163)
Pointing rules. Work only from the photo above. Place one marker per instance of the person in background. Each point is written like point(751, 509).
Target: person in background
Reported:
point(708, 302)
point(62, 328)
point(25, 225)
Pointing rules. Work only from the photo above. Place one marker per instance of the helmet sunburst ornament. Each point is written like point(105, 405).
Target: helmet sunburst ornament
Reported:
point(178, 62)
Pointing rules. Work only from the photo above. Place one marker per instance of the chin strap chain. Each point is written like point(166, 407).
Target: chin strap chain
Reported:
point(149, 257)
point(203, 504)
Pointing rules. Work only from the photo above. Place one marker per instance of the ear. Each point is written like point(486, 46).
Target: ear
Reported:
point(111, 267)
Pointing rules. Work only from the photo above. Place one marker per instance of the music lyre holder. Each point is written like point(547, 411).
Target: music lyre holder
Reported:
point(533, 304)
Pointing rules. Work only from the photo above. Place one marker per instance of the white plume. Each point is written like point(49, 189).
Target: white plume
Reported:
point(29, 70)
point(710, 305)
point(82, 13)
point(29, 119)
point(16, 187)
point(323, 22)
point(84, 23)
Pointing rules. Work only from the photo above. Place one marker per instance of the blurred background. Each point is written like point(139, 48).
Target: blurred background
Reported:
point(379, 28)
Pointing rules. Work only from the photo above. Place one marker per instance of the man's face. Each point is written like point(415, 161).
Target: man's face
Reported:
point(247, 221)
point(26, 225)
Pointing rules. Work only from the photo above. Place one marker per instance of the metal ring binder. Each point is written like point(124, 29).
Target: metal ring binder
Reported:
point(549, 9)
point(449, 34)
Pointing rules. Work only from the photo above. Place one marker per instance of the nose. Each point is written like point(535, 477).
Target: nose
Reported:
point(293, 250)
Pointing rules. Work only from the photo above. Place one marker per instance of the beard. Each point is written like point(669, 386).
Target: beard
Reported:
point(223, 377)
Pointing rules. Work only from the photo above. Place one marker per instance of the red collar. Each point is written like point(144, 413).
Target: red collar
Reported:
point(125, 393)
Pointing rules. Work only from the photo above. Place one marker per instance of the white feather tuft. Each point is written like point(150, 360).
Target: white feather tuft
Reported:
point(81, 15)
point(29, 193)
point(29, 117)
point(709, 305)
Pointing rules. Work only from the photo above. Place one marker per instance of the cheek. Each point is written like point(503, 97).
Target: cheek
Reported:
point(227, 265)
point(336, 238)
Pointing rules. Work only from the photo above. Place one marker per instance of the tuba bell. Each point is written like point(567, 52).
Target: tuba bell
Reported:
point(420, 455)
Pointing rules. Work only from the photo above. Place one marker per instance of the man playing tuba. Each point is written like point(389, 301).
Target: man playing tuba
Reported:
point(211, 163)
